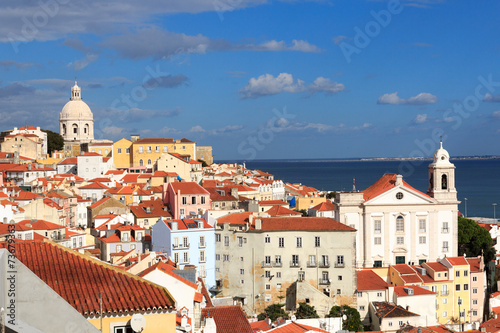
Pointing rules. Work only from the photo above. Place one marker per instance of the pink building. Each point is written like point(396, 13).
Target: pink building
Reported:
point(477, 288)
point(186, 199)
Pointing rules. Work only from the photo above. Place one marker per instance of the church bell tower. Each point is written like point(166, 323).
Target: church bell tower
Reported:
point(442, 177)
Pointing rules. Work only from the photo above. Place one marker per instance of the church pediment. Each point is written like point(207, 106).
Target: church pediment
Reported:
point(401, 195)
point(400, 250)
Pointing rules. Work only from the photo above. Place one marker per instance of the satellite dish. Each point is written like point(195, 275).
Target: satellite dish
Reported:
point(344, 317)
point(293, 318)
point(138, 322)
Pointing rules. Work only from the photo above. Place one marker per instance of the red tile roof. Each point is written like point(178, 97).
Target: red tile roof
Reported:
point(156, 209)
point(260, 325)
point(38, 225)
point(388, 310)
point(437, 266)
point(417, 291)
point(303, 223)
point(153, 140)
point(63, 269)
point(273, 202)
point(229, 319)
point(411, 278)
point(90, 154)
point(492, 325)
point(236, 218)
point(188, 188)
point(130, 178)
point(25, 195)
point(384, 184)
point(474, 264)
point(100, 202)
point(295, 327)
point(68, 161)
point(324, 206)
point(168, 269)
point(404, 269)
point(369, 280)
point(457, 261)
point(281, 211)
point(94, 186)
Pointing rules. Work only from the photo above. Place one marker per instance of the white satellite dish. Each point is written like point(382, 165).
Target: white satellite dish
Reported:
point(293, 318)
point(138, 322)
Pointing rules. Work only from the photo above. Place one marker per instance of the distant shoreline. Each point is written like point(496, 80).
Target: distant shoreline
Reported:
point(364, 159)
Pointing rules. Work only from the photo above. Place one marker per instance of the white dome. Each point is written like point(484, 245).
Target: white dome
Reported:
point(441, 156)
point(76, 109)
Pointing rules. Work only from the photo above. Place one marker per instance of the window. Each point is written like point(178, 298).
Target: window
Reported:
point(361, 308)
point(400, 224)
point(149, 149)
point(360, 294)
point(240, 241)
point(379, 294)
point(202, 200)
point(445, 228)
point(122, 329)
point(226, 240)
point(157, 149)
point(445, 246)
point(176, 256)
point(176, 242)
point(268, 287)
point(377, 240)
point(299, 242)
point(217, 237)
point(421, 240)
point(466, 273)
point(474, 279)
point(278, 286)
point(127, 151)
point(421, 225)
point(457, 287)
point(340, 261)
point(217, 257)
point(193, 200)
point(278, 274)
point(184, 200)
point(181, 211)
point(390, 323)
point(324, 277)
point(267, 239)
point(267, 260)
point(457, 273)
point(149, 161)
point(241, 258)
point(281, 242)
point(339, 291)
point(400, 240)
point(202, 256)
point(185, 242)
point(399, 195)
point(225, 257)
point(141, 162)
point(445, 314)
point(339, 277)
point(434, 289)
point(445, 300)
point(474, 312)
point(312, 261)
point(377, 226)
point(317, 241)
point(267, 274)
point(277, 260)
point(141, 149)
point(186, 256)
point(377, 263)
point(242, 281)
point(242, 271)
point(202, 241)
point(324, 261)
point(295, 260)
point(119, 150)
point(165, 149)
point(474, 302)
point(466, 286)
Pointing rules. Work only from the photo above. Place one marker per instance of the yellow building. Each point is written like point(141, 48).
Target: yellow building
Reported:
point(122, 157)
point(102, 148)
point(145, 152)
point(308, 202)
point(459, 271)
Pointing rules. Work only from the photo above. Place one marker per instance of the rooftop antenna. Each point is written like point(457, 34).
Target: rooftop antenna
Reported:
point(354, 184)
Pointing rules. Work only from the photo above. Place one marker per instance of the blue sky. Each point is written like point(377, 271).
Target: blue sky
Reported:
point(262, 79)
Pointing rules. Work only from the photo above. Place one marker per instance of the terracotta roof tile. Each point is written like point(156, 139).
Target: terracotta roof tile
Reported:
point(303, 223)
point(273, 202)
point(229, 319)
point(62, 269)
point(369, 280)
point(281, 211)
point(388, 310)
point(324, 206)
point(295, 327)
point(188, 188)
point(385, 183)
point(417, 291)
point(457, 261)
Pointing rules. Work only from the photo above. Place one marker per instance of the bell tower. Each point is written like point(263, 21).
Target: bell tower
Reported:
point(442, 177)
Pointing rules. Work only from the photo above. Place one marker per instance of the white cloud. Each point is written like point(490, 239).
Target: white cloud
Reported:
point(168, 130)
point(496, 114)
point(491, 98)
point(113, 131)
point(82, 63)
point(420, 99)
point(338, 39)
point(420, 119)
point(197, 129)
point(267, 84)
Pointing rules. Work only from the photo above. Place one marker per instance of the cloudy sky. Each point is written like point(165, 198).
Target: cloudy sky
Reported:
point(261, 79)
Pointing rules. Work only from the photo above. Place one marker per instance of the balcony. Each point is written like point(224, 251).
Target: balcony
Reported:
point(180, 246)
point(325, 281)
point(277, 264)
point(203, 244)
point(339, 265)
point(294, 264)
point(445, 249)
point(325, 264)
point(444, 230)
point(311, 264)
point(266, 264)
point(445, 293)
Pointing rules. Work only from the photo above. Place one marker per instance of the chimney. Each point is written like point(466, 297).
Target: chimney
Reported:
point(134, 137)
point(399, 180)
point(258, 224)
point(250, 219)
point(234, 192)
point(29, 167)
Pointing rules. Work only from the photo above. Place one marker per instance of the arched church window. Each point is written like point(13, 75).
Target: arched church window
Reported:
point(86, 129)
point(444, 182)
point(400, 224)
point(64, 129)
point(75, 128)
point(149, 162)
point(141, 162)
point(431, 180)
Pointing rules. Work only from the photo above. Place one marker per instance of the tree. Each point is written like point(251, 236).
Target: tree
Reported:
point(353, 320)
point(203, 163)
point(303, 211)
point(54, 141)
point(305, 311)
point(474, 240)
point(331, 195)
point(273, 312)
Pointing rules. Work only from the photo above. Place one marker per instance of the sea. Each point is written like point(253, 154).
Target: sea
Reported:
point(478, 180)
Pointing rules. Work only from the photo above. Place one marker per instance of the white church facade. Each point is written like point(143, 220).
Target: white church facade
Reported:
point(398, 224)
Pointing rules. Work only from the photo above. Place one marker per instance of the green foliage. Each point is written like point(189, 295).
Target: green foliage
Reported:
point(331, 195)
point(474, 240)
point(353, 321)
point(54, 141)
point(303, 211)
point(305, 311)
point(203, 163)
point(273, 312)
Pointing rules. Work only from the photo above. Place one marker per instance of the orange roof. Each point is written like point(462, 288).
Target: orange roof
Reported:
point(153, 140)
point(384, 184)
point(94, 186)
point(475, 264)
point(67, 161)
point(115, 172)
point(411, 278)
point(403, 269)
point(168, 269)
point(302, 223)
point(295, 327)
point(260, 325)
point(155, 207)
point(281, 211)
point(229, 319)
point(400, 291)
point(236, 218)
point(369, 280)
point(25, 195)
point(100, 202)
point(38, 225)
point(437, 266)
point(272, 202)
point(188, 188)
point(90, 154)
point(62, 269)
point(324, 206)
point(457, 261)
point(130, 178)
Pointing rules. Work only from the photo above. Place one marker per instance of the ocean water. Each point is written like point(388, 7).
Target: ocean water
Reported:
point(476, 180)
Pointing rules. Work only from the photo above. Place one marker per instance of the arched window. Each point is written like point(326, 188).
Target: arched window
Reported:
point(149, 161)
point(64, 129)
point(141, 162)
point(444, 182)
point(400, 224)
point(75, 128)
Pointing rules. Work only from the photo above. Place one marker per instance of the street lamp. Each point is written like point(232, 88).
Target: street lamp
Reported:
point(494, 210)
point(459, 313)
point(465, 207)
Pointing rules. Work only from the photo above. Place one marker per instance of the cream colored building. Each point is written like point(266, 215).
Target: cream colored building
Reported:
point(189, 170)
point(259, 258)
point(27, 145)
point(398, 224)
